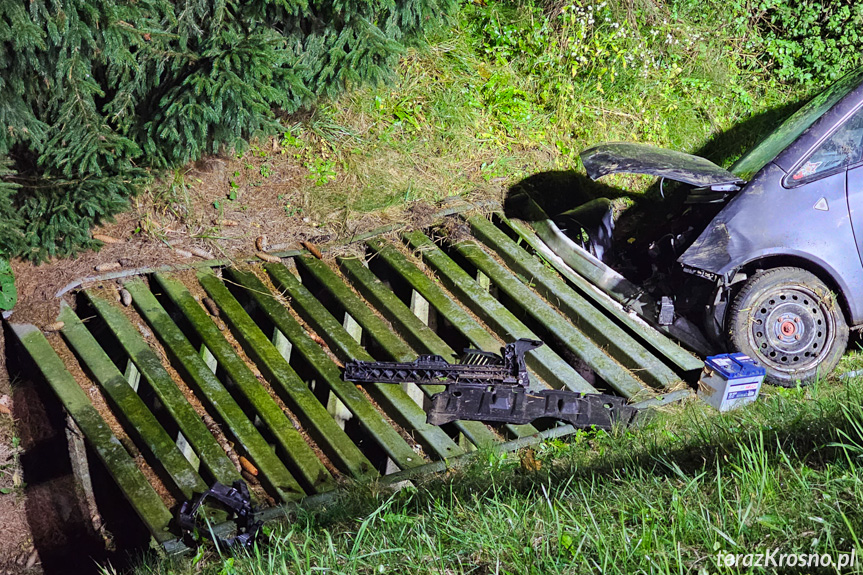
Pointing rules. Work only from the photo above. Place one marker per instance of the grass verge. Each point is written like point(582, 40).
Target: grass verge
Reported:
point(510, 90)
point(690, 486)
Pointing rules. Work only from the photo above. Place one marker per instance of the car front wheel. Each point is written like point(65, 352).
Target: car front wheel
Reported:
point(790, 322)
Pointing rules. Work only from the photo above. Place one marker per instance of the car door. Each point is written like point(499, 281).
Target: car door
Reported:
point(842, 153)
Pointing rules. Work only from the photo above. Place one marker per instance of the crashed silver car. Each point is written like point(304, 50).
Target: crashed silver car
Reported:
point(766, 254)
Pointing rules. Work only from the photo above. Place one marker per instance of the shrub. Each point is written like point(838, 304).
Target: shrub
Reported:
point(810, 41)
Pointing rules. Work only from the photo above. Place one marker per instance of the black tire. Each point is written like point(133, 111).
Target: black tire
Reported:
point(791, 323)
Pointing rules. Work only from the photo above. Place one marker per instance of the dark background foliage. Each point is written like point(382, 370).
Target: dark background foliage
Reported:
point(95, 92)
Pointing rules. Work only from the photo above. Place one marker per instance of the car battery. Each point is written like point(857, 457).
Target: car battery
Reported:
point(730, 380)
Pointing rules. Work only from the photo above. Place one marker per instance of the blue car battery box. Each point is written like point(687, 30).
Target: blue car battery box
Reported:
point(730, 380)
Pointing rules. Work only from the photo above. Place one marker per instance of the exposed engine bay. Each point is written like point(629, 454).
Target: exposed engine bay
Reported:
point(643, 241)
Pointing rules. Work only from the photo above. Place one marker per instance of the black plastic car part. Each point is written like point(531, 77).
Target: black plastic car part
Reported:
point(235, 499)
point(485, 386)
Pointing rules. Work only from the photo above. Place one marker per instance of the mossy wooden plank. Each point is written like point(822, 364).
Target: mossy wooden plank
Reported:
point(272, 471)
point(551, 366)
point(404, 321)
point(318, 423)
point(569, 337)
point(377, 427)
point(431, 291)
point(417, 334)
point(301, 456)
point(134, 486)
point(140, 421)
point(396, 349)
point(193, 429)
point(396, 402)
point(447, 308)
point(684, 360)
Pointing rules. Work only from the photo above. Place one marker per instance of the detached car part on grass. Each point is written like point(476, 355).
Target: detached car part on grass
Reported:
point(784, 251)
point(235, 499)
point(488, 387)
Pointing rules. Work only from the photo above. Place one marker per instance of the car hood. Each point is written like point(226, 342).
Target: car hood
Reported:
point(632, 158)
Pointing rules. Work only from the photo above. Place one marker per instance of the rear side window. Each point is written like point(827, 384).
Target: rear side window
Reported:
point(843, 148)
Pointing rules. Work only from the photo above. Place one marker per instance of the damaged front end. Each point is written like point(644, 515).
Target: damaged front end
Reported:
point(750, 261)
point(661, 246)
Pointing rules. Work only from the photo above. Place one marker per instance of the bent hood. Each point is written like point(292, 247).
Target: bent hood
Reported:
point(631, 158)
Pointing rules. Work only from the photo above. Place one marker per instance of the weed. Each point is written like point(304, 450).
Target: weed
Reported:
point(321, 171)
point(289, 140)
point(805, 42)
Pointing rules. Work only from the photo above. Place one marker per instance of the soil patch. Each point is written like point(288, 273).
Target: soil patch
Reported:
point(207, 223)
point(16, 545)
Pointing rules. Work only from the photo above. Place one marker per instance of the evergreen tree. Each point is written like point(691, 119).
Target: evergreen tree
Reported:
point(11, 238)
point(93, 93)
point(11, 223)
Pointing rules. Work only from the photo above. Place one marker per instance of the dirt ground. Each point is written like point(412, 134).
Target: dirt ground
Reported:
point(218, 208)
point(196, 219)
point(16, 544)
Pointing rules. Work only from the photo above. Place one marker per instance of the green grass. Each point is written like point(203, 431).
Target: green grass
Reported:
point(513, 89)
point(786, 473)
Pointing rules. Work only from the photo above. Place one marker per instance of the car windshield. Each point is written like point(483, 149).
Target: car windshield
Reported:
point(796, 124)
